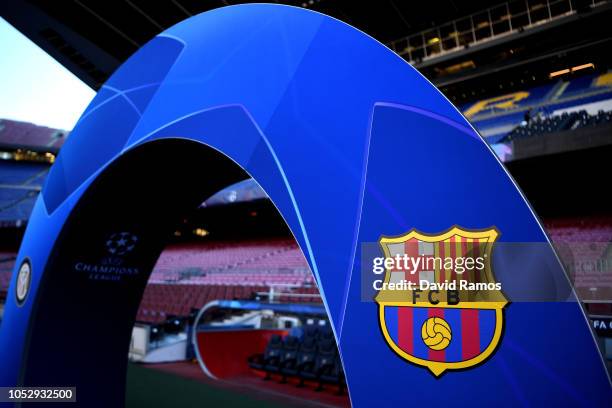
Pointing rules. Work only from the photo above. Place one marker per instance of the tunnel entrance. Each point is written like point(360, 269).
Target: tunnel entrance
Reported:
point(100, 263)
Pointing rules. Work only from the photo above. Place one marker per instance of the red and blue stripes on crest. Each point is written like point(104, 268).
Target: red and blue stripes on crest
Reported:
point(471, 331)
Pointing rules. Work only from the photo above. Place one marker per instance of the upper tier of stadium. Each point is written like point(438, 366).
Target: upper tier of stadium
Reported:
point(24, 134)
point(496, 117)
point(560, 105)
point(20, 183)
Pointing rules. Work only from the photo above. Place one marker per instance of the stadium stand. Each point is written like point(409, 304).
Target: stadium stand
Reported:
point(188, 276)
point(593, 229)
point(7, 262)
point(496, 117)
point(15, 204)
point(560, 123)
point(27, 134)
point(584, 246)
point(225, 256)
point(20, 183)
point(23, 171)
point(163, 300)
point(254, 263)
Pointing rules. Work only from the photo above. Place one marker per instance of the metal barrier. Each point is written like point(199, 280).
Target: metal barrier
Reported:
point(494, 22)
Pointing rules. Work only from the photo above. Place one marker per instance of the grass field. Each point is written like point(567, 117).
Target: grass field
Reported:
point(156, 389)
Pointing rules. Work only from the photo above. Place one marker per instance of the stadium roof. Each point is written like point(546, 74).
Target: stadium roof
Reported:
point(93, 38)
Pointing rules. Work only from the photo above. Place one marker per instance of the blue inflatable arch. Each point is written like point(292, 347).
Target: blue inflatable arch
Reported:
point(349, 142)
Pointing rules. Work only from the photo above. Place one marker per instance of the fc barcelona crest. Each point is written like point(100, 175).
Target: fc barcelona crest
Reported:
point(440, 306)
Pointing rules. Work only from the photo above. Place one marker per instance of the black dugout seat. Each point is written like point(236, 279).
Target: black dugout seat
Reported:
point(324, 360)
point(334, 375)
point(288, 357)
point(271, 355)
point(314, 357)
point(305, 360)
point(311, 331)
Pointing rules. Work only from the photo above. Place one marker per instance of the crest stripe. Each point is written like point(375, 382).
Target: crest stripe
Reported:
point(470, 340)
point(447, 272)
point(433, 354)
point(411, 248)
point(405, 329)
point(453, 351)
point(420, 348)
point(441, 255)
point(467, 275)
point(453, 254)
point(487, 327)
point(391, 322)
point(475, 255)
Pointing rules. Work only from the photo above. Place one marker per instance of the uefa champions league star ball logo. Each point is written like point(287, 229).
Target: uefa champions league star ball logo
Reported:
point(121, 243)
point(113, 266)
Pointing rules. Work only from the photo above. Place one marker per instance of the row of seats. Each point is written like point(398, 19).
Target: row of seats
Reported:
point(577, 90)
point(162, 300)
point(565, 121)
point(22, 173)
point(585, 248)
point(600, 118)
point(20, 183)
point(252, 278)
point(16, 204)
point(7, 264)
point(190, 275)
point(28, 134)
point(312, 357)
point(198, 259)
